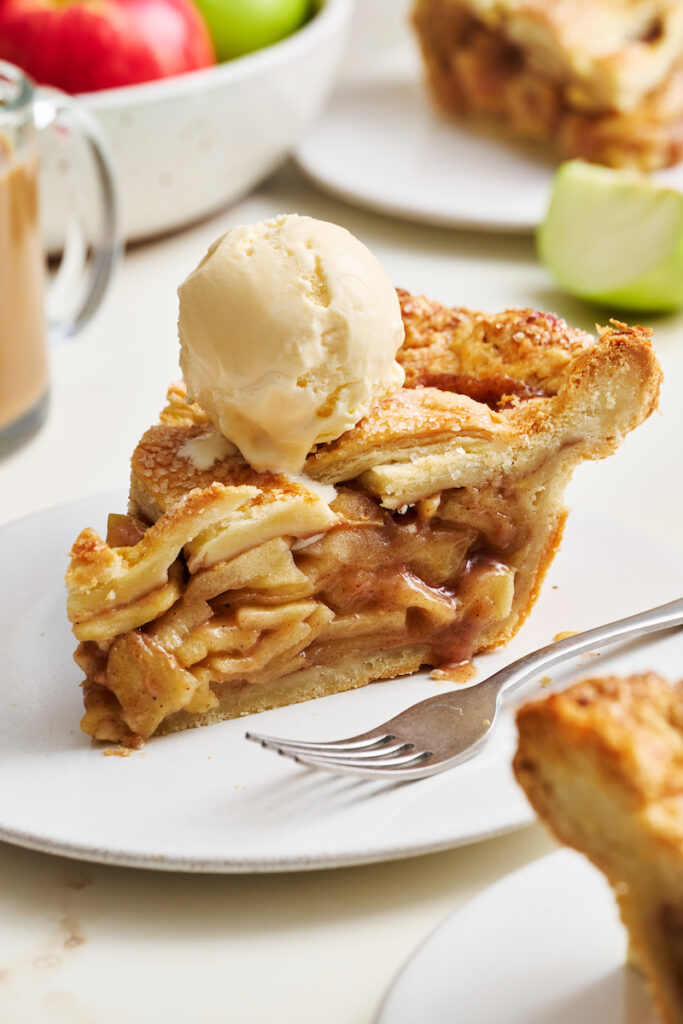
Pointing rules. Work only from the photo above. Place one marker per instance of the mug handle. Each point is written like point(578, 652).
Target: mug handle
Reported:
point(83, 281)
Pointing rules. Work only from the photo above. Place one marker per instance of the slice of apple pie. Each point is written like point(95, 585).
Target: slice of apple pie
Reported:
point(417, 538)
point(602, 764)
point(602, 79)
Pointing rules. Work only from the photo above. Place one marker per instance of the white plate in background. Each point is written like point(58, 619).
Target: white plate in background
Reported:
point(207, 800)
point(381, 144)
point(542, 946)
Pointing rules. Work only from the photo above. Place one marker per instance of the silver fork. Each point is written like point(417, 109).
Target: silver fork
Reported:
point(445, 730)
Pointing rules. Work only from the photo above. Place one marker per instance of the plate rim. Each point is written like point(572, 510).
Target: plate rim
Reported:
point(252, 866)
point(412, 214)
point(405, 211)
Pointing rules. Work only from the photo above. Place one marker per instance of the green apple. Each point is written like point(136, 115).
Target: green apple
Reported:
point(240, 26)
point(614, 237)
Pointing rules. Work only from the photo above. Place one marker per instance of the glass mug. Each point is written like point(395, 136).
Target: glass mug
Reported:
point(24, 329)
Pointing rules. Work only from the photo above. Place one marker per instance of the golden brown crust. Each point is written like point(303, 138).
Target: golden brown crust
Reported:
point(179, 412)
point(629, 729)
point(421, 440)
point(602, 764)
point(518, 344)
point(158, 468)
point(408, 438)
point(100, 577)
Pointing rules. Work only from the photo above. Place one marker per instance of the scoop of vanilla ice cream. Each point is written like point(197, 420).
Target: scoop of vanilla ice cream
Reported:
point(288, 335)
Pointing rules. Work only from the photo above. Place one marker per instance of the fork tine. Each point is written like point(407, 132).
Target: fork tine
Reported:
point(394, 764)
point(377, 753)
point(364, 742)
point(395, 767)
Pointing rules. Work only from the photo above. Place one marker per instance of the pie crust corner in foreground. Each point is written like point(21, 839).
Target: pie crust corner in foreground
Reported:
point(602, 765)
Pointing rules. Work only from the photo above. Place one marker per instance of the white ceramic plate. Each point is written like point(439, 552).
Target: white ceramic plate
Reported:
point(207, 800)
point(542, 946)
point(380, 144)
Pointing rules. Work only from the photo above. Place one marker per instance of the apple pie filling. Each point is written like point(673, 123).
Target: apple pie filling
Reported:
point(432, 579)
point(517, 78)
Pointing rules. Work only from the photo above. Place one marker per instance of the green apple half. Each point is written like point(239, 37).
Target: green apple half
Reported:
point(240, 26)
point(614, 237)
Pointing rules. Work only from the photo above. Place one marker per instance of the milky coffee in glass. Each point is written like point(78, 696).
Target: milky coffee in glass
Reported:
point(25, 112)
point(23, 354)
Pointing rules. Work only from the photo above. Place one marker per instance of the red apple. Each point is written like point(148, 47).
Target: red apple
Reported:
point(85, 45)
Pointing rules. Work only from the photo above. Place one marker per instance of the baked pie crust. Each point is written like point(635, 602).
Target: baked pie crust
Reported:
point(602, 79)
point(602, 764)
point(225, 591)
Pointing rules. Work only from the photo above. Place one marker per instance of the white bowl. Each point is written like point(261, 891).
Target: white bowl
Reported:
point(186, 146)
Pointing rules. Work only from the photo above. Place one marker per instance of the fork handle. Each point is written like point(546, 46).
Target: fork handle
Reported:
point(662, 617)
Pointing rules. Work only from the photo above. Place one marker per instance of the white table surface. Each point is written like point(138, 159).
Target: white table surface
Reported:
point(85, 944)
